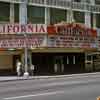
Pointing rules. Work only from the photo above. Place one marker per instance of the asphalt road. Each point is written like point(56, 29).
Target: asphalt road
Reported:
point(77, 88)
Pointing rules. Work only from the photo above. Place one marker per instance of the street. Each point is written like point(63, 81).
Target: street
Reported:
point(65, 88)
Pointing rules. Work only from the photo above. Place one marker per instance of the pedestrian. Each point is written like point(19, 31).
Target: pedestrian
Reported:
point(32, 69)
point(18, 69)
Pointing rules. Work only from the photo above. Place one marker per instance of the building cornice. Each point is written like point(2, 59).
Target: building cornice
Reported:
point(61, 4)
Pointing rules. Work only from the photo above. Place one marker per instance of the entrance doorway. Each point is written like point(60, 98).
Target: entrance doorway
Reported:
point(58, 63)
point(15, 58)
point(74, 63)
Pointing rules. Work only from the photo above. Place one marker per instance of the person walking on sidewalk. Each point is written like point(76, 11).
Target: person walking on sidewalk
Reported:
point(18, 69)
point(32, 69)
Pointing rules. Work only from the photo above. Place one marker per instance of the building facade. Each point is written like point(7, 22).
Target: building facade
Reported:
point(46, 29)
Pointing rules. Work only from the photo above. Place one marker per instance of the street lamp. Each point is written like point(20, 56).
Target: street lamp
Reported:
point(26, 74)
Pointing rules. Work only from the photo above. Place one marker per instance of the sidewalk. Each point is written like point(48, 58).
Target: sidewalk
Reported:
point(15, 78)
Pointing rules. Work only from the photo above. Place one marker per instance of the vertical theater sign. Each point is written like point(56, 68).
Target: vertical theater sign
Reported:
point(72, 35)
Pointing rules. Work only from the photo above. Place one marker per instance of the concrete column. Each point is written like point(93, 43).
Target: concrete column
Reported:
point(22, 13)
point(85, 61)
point(94, 20)
point(88, 19)
point(11, 13)
point(70, 16)
point(47, 15)
point(88, 14)
point(73, 59)
point(94, 15)
point(22, 58)
point(47, 22)
point(62, 65)
point(67, 60)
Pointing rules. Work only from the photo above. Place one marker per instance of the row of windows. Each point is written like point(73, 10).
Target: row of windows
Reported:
point(88, 1)
point(36, 15)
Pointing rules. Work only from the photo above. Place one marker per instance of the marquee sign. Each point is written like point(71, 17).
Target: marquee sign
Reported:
point(76, 30)
point(61, 35)
point(21, 28)
point(71, 29)
point(21, 42)
point(71, 42)
point(71, 35)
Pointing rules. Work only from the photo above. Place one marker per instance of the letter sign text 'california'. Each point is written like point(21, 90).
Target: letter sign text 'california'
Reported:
point(21, 28)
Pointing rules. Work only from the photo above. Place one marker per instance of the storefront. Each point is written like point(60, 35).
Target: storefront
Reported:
point(14, 38)
point(74, 42)
point(8, 59)
point(58, 63)
point(56, 49)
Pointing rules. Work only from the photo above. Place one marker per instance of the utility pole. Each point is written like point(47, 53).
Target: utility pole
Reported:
point(26, 74)
point(23, 20)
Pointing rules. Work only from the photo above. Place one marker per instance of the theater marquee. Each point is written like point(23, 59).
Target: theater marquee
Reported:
point(72, 35)
point(21, 28)
point(19, 41)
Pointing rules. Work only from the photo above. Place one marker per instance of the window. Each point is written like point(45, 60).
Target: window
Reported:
point(89, 58)
point(79, 16)
point(98, 20)
point(92, 20)
point(36, 14)
point(87, 1)
point(77, 0)
point(57, 15)
point(97, 2)
point(16, 13)
point(4, 12)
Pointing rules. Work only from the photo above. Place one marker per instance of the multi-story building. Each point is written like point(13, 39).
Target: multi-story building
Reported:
point(51, 54)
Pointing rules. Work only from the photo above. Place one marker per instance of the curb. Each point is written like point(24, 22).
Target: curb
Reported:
point(11, 78)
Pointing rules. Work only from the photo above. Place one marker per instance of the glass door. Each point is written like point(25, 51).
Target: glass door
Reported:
point(59, 66)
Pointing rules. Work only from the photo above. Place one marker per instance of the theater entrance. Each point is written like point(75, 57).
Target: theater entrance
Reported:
point(58, 63)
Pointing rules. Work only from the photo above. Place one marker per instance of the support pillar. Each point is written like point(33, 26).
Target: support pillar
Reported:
point(23, 13)
point(67, 60)
point(47, 15)
point(73, 59)
point(11, 13)
point(94, 20)
point(47, 22)
point(70, 16)
point(88, 19)
point(88, 15)
point(94, 15)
